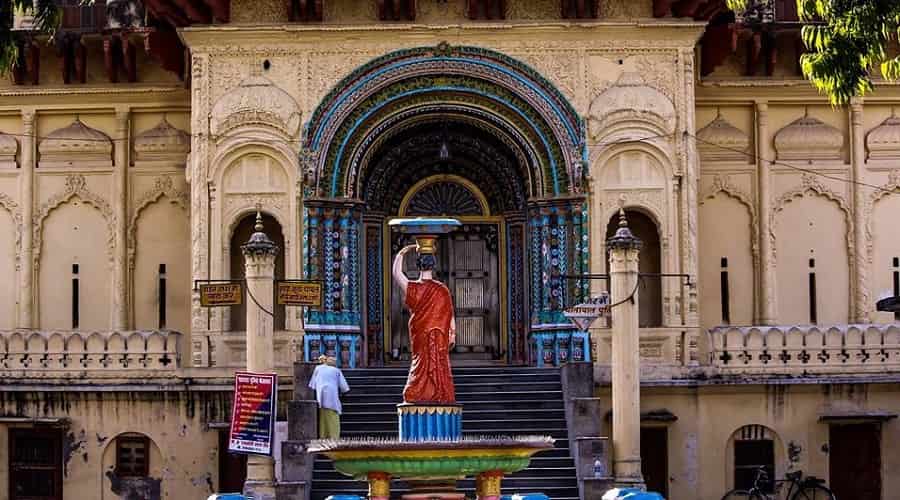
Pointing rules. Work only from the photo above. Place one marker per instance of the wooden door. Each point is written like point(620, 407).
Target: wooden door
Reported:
point(35, 464)
point(232, 467)
point(655, 459)
point(854, 461)
point(468, 263)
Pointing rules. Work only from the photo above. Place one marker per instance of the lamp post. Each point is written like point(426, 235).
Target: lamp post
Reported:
point(624, 248)
point(259, 272)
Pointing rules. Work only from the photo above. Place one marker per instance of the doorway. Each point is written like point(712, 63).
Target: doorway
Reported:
point(655, 459)
point(232, 467)
point(468, 262)
point(854, 461)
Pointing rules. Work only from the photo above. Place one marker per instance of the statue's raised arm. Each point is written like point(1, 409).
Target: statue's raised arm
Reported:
point(397, 268)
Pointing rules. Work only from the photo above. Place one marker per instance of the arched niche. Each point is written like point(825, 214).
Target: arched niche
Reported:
point(133, 446)
point(726, 240)
point(811, 237)
point(632, 169)
point(85, 232)
point(885, 251)
point(8, 256)
point(650, 261)
point(239, 236)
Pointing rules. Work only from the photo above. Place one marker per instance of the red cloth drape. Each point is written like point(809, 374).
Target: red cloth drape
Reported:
point(431, 308)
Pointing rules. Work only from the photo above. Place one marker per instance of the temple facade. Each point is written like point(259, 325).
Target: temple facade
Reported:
point(137, 146)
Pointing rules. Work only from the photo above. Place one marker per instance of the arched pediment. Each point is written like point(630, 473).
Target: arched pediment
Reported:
point(630, 100)
point(163, 142)
point(719, 140)
point(256, 101)
point(76, 141)
point(808, 138)
point(883, 141)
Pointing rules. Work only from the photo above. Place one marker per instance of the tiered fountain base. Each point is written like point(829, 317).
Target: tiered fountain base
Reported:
point(431, 455)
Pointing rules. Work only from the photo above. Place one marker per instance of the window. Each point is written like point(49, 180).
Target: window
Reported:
point(132, 458)
point(754, 447)
point(35, 465)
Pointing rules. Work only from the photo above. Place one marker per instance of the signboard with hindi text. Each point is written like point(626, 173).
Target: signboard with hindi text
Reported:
point(300, 293)
point(221, 294)
point(585, 313)
point(253, 413)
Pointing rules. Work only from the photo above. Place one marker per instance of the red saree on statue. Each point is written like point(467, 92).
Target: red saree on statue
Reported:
point(431, 310)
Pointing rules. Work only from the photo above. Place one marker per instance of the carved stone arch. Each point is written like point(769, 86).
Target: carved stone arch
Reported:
point(256, 102)
point(233, 148)
point(15, 212)
point(632, 103)
point(76, 187)
point(163, 186)
point(655, 148)
point(892, 187)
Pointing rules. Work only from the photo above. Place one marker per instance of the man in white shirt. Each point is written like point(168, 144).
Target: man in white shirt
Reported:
point(329, 383)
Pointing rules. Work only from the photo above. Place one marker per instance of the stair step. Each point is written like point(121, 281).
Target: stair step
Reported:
point(469, 415)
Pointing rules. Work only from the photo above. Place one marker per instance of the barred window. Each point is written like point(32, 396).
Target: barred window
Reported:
point(132, 456)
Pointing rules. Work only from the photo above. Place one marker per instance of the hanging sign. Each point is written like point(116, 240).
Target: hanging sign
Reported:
point(300, 293)
point(584, 314)
point(221, 294)
point(253, 413)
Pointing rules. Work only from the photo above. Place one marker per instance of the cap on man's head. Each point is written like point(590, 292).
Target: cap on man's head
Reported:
point(331, 361)
point(322, 359)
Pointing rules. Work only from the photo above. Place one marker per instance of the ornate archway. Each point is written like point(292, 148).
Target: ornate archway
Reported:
point(414, 114)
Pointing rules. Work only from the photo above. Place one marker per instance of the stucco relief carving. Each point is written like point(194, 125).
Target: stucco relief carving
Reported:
point(633, 101)
point(163, 186)
point(76, 187)
point(437, 12)
point(15, 212)
point(561, 68)
point(256, 100)
point(163, 142)
point(327, 68)
point(76, 139)
point(650, 200)
point(808, 138)
point(719, 140)
point(883, 141)
point(619, 9)
point(9, 146)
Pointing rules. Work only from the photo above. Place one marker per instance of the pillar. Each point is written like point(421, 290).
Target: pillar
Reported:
point(120, 208)
point(624, 248)
point(26, 263)
point(859, 269)
point(768, 305)
point(259, 271)
point(487, 485)
point(379, 486)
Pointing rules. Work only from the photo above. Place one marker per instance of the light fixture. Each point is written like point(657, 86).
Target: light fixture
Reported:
point(444, 152)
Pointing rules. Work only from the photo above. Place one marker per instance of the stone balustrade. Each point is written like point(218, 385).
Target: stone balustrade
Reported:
point(59, 350)
point(806, 349)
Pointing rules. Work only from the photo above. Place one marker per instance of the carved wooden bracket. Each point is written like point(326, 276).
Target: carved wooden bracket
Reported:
point(306, 11)
point(580, 9)
point(486, 9)
point(396, 10)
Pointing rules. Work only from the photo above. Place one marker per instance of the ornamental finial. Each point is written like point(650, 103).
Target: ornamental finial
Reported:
point(259, 221)
point(623, 239)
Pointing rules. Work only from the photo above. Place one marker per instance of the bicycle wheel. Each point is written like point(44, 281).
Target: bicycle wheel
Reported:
point(743, 495)
point(816, 492)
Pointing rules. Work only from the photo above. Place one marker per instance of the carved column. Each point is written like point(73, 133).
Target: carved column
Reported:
point(259, 271)
point(26, 260)
point(333, 230)
point(859, 270)
point(120, 208)
point(624, 251)
point(768, 305)
point(557, 231)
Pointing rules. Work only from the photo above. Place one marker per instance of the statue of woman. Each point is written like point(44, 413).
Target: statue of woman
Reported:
point(432, 332)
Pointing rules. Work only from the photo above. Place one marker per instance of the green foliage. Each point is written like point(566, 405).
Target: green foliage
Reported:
point(46, 19)
point(847, 40)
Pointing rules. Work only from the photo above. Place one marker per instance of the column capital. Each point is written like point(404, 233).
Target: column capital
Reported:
point(28, 115)
point(624, 239)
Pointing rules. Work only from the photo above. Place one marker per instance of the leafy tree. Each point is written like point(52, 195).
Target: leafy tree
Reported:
point(846, 40)
point(46, 19)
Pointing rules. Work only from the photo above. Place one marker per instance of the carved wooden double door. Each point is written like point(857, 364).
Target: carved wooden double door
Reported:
point(468, 262)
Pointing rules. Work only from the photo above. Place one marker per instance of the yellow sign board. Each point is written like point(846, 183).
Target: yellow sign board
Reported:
point(221, 294)
point(300, 293)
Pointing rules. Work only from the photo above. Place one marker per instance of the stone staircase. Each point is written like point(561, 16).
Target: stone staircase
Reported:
point(496, 401)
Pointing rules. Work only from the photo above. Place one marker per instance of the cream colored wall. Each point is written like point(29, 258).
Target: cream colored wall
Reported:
point(812, 228)
point(75, 233)
point(163, 231)
point(700, 453)
point(169, 420)
point(886, 246)
point(7, 270)
point(725, 231)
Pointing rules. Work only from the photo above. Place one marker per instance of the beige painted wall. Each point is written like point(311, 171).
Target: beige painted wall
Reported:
point(8, 286)
point(725, 232)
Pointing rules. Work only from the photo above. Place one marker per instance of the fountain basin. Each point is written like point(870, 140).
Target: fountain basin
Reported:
point(432, 460)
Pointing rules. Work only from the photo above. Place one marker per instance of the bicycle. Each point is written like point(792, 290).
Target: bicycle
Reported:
point(808, 488)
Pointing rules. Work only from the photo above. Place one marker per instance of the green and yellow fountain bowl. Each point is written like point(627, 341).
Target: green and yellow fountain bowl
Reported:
point(431, 459)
